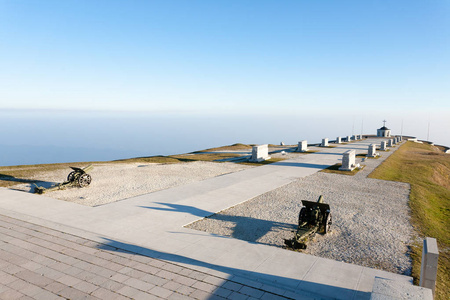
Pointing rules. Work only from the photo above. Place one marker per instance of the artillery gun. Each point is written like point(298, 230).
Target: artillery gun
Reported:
point(313, 217)
point(77, 178)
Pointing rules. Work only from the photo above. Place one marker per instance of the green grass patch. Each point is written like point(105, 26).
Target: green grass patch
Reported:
point(335, 170)
point(427, 170)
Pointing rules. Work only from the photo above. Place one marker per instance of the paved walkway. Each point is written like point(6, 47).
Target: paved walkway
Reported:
point(152, 225)
point(37, 262)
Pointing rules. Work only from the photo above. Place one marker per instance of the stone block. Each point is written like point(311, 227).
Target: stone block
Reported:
point(348, 138)
point(302, 146)
point(260, 153)
point(348, 161)
point(371, 152)
point(388, 289)
point(429, 265)
point(383, 146)
point(338, 140)
point(324, 142)
point(390, 143)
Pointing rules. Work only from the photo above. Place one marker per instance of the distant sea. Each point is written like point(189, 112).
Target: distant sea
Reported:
point(38, 137)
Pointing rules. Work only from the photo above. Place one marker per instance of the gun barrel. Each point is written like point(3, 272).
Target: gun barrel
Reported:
point(320, 199)
point(88, 168)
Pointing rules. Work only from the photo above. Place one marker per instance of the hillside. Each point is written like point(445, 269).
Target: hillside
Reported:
point(427, 169)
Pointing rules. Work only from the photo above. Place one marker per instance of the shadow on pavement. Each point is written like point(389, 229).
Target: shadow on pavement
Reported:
point(299, 287)
point(181, 208)
point(240, 224)
point(302, 165)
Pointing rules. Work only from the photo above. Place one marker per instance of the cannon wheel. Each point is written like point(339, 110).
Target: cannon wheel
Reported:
point(71, 176)
point(327, 223)
point(302, 215)
point(84, 180)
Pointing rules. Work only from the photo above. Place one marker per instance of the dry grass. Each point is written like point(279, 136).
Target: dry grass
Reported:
point(264, 162)
point(234, 147)
point(427, 169)
point(335, 170)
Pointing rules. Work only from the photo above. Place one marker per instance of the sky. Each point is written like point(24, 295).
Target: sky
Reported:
point(359, 60)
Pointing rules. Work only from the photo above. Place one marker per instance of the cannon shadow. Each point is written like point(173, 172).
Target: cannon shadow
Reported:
point(238, 225)
point(9, 178)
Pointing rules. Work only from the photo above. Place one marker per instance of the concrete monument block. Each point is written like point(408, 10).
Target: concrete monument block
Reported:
point(324, 142)
point(348, 160)
point(302, 146)
point(388, 289)
point(355, 137)
point(429, 265)
point(390, 143)
point(348, 138)
point(338, 140)
point(260, 153)
point(372, 151)
point(383, 146)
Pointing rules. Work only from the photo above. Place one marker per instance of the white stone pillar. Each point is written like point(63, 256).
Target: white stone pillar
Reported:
point(324, 142)
point(372, 151)
point(338, 140)
point(260, 153)
point(302, 146)
point(348, 160)
point(348, 138)
point(429, 266)
point(390, 143)
point(383, 146)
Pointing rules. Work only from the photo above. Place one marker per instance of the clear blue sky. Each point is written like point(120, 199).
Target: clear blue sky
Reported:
point(224, 56)
point(359, 61)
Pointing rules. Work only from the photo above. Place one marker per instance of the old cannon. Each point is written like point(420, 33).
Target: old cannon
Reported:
point(77, 178)
point(313, 217)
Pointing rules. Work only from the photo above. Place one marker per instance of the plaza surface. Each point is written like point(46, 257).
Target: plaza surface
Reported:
point(148, 231)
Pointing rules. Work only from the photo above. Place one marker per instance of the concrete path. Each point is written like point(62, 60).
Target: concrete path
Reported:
point(152, 225)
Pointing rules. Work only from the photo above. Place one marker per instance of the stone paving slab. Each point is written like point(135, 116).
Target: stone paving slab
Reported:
point(38, 262)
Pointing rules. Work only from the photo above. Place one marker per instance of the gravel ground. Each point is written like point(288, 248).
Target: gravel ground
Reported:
point(113, 182)
point(370, 218)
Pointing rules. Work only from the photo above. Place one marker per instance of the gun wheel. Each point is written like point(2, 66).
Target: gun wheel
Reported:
point(302, 216)
point(71, 176)
point(327, 223)
point(84, 180)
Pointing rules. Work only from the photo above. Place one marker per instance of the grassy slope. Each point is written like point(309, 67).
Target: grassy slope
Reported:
point(427, 170)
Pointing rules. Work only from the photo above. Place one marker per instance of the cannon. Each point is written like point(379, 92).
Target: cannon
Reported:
point(77, 178)
point(314, 217)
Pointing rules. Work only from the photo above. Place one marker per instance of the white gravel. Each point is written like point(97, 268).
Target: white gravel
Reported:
point(113, 182)
point(370, 218)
